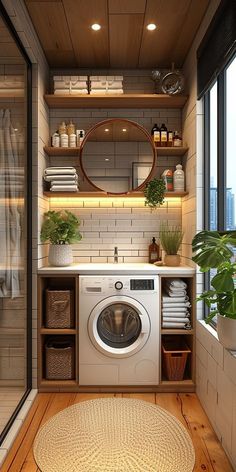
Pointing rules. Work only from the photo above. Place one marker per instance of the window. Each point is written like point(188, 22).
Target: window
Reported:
point(220, 138)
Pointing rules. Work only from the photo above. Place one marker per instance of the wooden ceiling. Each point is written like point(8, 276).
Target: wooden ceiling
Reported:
point(63, 28)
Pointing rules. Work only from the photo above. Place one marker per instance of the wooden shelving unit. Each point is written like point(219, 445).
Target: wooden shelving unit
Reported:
point(116, 101)
point(188, 382)
point(56, 282)
point(104, 194)
point(70, 152)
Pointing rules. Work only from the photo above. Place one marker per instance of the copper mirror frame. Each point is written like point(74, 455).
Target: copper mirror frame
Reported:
point(106, 123)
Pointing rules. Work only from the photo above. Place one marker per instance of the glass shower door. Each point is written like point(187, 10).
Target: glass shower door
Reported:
point(14, 231)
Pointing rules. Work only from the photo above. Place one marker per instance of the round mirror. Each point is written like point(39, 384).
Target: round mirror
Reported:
point(117, 156)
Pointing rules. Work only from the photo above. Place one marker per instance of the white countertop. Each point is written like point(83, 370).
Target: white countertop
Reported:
point(115, 269)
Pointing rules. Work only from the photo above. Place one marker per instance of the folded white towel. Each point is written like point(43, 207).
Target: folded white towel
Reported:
point(183, 309)
point(167, 324)
point(181, 293)
point(71, 91)
point(179, 314)
point(167, 299)
point(64, 182)
point(103, 78)
point(109, 84)
point(176, 305)
point(64, 188)
point(176, 283)
point(104, 91)
point(60, 170)
point(175, 320)
point(61, 178)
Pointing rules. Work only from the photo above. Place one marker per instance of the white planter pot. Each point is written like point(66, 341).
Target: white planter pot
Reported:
point(226, 330)
point(60, 255)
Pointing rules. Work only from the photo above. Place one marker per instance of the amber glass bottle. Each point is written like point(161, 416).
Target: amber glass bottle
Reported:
point(163, 135)
point(154, 251)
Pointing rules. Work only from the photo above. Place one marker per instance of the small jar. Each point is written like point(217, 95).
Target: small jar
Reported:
point(62, 128)
point(70, 128)
point(177, 140)
point(64, 140)
point(56, 140)
point(72, 140)
point(80, 134)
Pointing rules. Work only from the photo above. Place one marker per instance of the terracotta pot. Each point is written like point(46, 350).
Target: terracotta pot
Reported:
point(226, 330)
point(172, 260)
point(60, 255)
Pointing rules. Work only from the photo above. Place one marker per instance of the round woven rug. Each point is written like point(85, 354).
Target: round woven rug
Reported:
point(114, 435)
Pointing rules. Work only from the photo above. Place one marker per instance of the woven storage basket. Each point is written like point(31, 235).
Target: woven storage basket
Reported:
point(59, 360)
point(59, 309)
point(175, 355)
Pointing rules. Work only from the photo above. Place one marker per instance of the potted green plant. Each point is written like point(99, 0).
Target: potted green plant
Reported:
point(214, 252)
point(171, 238)
point(60, 229)
point(154, 193)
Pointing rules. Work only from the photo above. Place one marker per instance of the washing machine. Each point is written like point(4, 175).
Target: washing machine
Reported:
point(119, 330)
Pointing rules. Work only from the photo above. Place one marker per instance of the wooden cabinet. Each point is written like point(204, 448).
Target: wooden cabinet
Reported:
point(71, 282)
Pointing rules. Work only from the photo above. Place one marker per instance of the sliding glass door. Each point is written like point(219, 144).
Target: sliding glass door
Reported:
point(15, 224)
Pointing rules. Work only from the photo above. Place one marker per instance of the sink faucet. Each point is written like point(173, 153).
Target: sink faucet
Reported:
point(115, 254)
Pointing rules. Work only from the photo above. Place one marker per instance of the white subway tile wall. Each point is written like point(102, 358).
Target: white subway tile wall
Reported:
point(126, 223)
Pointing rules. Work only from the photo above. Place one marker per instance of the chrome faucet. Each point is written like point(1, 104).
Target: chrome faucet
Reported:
point(115, 254)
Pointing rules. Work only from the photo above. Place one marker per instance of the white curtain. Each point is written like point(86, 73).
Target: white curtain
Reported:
point(11, 208)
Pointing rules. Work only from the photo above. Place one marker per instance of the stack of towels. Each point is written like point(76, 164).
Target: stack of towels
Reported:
point(70, 84)
point(106, 84)
point(62, 179)
point(12, 181)
point(175, 305)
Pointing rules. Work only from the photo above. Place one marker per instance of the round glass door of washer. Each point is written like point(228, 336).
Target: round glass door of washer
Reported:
point(119, 326)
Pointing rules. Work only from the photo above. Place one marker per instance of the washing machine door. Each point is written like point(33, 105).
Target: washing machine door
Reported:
point(119, 326)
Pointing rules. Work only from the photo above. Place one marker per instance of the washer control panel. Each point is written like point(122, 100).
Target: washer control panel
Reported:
point(123, 284)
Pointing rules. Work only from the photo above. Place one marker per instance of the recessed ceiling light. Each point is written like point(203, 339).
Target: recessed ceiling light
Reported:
point(106, 130)
point(151, 26)
point(106, 159)
point(96, 27)
point(124, 130)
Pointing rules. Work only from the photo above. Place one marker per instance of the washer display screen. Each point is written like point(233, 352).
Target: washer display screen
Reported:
point(119, 325)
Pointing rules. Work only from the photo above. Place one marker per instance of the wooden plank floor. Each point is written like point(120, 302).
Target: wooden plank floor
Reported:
point(210, 456)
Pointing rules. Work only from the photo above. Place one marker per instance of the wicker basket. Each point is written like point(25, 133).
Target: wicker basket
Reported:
point(59, 360)
point(59, 309)
point(175, 355)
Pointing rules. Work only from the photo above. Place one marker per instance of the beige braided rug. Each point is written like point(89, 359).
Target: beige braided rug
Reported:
point(114, 435)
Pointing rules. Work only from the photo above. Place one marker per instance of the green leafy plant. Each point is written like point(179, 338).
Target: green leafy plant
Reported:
point(214, 251)
point(154, 193)
point(171, 238)
point(60, 227)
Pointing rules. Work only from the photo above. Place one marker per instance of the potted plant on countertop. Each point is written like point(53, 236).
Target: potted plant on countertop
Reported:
point(171, 238)
point(60, 228)
point(214, 251)
point(154, 193)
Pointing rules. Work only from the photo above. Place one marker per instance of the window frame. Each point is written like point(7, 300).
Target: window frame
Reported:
point(221, 159)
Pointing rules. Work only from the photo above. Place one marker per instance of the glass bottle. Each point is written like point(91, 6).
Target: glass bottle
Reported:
point(177, 140)
point(170, 138)
point(163, 135)
point(178, 178)
point(156, 134)
point(70, 128)
point(154, 251)
point(62, 128)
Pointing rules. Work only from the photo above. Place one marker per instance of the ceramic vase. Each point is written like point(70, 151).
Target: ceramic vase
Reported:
point(172, 260)
point(60, 255)
point(226, 330)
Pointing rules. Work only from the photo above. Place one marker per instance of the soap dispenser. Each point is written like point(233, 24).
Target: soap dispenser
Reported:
point(154, 251)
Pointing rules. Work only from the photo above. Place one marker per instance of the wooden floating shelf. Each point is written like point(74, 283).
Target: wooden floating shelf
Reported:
point(58, 383)
point(105, 195)
point(177, 331)
point(63, 152)
point(177, 382)
point(57, 331)
point(116, 101)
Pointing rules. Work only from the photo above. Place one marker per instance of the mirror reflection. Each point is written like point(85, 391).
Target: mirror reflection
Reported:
point(117, 156)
